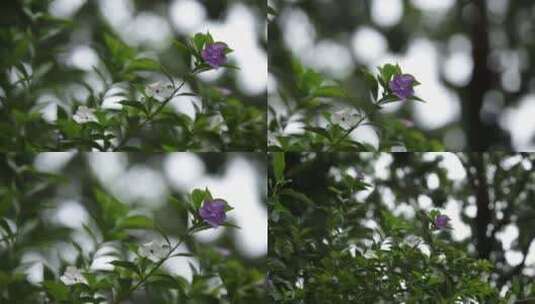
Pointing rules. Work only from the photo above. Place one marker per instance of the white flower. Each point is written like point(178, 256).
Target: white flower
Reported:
point(218, 121)
point(370, 254)
point(413, 241)
point(217, 286)
point(154, 251)
point(346, 118)
point(159, 91)
point(398, 148)
point(72, 275)
point(273, 139)
point(84, 114)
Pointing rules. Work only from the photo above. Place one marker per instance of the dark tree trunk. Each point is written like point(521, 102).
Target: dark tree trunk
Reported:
point(478, 134)
point(483, 215)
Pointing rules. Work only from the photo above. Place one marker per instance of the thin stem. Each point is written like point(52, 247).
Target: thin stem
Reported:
point(146, 277)
point(364, 117)
point(347, 132)
point(149, 117)
point(153, 114)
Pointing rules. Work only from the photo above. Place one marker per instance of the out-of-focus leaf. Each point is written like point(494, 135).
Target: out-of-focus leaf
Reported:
point(134, 104)
point(112, 209)
point(58, 291)
point(197, 197)
point(199, 40)
point(329, 91)
point(136, 222)
point(143, 64)
point(278, 166)
point(319, 131)
point(126, 265)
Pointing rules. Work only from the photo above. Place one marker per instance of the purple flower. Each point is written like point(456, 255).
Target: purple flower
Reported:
point(402, 86)
point(213, 212)
point(214, 54)
point(441, 221)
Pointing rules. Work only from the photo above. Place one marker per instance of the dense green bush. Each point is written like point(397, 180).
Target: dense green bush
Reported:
point(477, 84)
point(335, 236)
point(132, 241)
point(308, 98)
point(138, 117)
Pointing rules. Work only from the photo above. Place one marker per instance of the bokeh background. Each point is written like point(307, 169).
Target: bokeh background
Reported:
point(488, 196)
point(474, 58)
point(151, 26)
point(55, 210)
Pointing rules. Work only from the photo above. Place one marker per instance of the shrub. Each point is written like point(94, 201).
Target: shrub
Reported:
point(333, 238)
point(122, 103)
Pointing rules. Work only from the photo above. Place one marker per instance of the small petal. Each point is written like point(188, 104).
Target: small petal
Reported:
point(213, 212)
point(159, 91)
point(402, 86)
point(214, 54)
point(154, 251)
point(346, 119)
point(84, 115)
point(273, 140)
point(218, 121)
point(441, 222)
point(72, 275)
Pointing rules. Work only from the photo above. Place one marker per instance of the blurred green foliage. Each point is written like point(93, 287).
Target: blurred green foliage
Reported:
point(495, 35)
point(33, 51)
point(337, 233)
point(308, 97)
point(114, 230)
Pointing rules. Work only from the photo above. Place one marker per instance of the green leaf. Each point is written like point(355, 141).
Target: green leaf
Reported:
point(230, 225)
point(111, 208)
point(388, 71)
point(61, 113)
point(182, 47)
point(416, 98)
point(310, 81)
point(209, 38)
point(143, 64)
point(319, 131)
point(136, 222)
point(126, 265)
point(199, 41)
point(57, 290)
point(296, 195)
point(388, 99)
point(180, 205)
point(208, 195)
point(134, 104)
point(168, 282)
point(371, 82)
point(329, 91)
point(117, 48)
point(231, 66)
point(4, 224)
point(197, 197)
point(279, 164)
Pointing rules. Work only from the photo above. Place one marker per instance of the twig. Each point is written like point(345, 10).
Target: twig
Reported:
point(346, 134)
point(364, 117)
point(146, 277)
point(153, 114)
point(149, 117)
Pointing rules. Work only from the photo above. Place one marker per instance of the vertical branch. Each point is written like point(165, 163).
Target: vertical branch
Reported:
point(483, 215)
point(479, 137)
